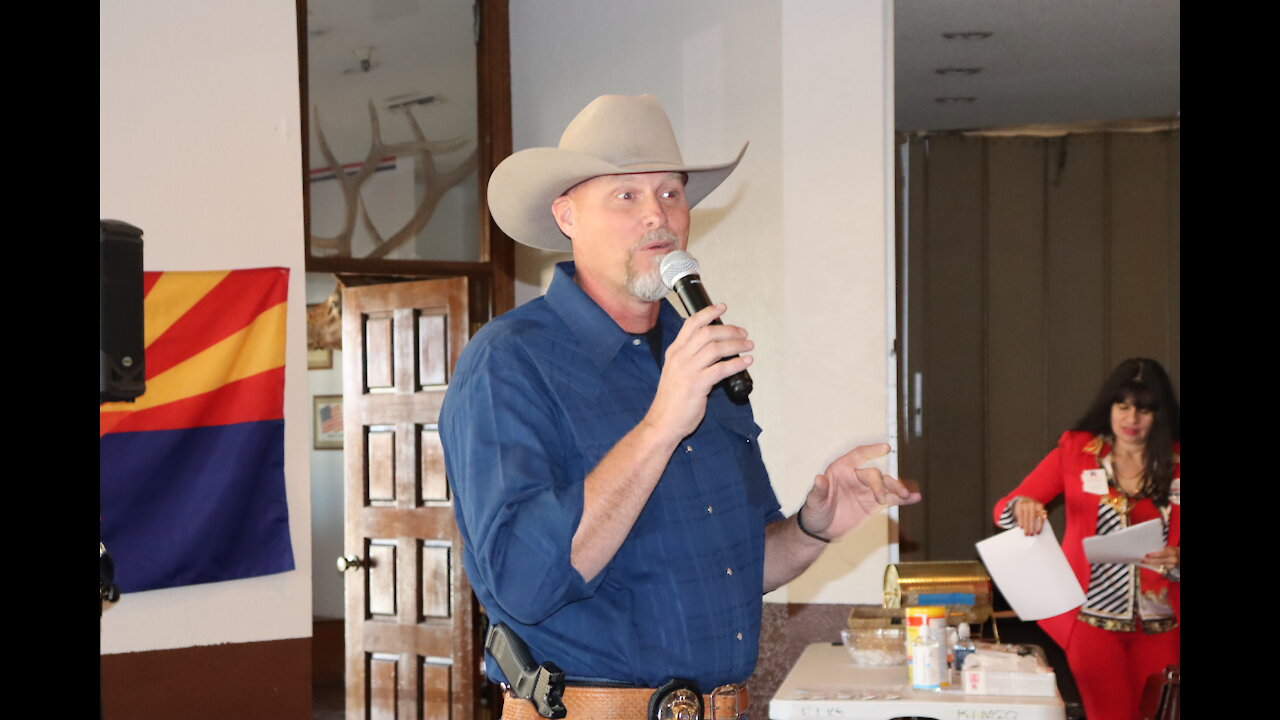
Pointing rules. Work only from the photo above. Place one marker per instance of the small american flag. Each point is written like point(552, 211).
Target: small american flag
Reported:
point(331, 418)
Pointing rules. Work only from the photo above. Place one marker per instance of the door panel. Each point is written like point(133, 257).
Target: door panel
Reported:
point(379, 368)
point(380, 454)
point(382, 686)
point(954, 384)
point(1016, 334)
point(435, 576)
point(432, 482)
point(381, 578)
point(411, 647)
point(433, 343)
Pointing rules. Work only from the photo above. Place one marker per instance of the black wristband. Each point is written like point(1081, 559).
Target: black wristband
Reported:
point(805, 530)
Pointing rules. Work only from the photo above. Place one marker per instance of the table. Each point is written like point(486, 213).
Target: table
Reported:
point(826, 685)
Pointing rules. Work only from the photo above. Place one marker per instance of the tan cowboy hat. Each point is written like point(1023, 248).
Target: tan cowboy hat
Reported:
point(613, 135)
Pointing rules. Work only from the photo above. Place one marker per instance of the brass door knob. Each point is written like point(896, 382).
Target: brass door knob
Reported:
point(350, 562)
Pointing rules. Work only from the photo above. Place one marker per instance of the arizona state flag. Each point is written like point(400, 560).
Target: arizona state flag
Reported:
point(192, 473)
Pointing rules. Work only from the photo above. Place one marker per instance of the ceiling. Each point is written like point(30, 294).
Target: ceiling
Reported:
point(1045, 62)
point(1054, 62)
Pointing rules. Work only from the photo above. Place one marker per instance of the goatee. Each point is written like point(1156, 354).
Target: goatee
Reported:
point(647, 285)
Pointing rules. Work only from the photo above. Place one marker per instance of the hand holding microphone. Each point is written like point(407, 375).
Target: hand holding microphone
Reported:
point(680, 272)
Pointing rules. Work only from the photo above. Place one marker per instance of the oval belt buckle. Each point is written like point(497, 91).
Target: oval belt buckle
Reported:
point(676, 699)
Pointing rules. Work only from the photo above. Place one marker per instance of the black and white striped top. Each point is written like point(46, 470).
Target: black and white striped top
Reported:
point(1114, 599)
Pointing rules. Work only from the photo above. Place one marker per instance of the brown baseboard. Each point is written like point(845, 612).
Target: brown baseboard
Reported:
point(270, 679)
point(328, 647)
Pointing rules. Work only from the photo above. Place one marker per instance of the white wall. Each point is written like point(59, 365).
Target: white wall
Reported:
point(798, 242)
point(200, 147)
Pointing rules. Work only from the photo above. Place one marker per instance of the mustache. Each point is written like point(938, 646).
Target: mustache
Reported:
point(655, 235)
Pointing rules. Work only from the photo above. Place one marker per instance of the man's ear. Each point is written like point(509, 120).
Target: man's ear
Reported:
point(562, 211)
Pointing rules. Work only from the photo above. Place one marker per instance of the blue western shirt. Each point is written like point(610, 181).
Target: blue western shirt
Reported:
point(539, 396)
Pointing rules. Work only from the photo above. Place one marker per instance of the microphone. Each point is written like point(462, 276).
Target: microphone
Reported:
point(680, 272)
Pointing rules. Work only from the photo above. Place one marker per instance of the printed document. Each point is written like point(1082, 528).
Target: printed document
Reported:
point(1031, 572)
point(1126, 546)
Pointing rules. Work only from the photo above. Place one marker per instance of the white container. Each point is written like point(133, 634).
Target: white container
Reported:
point(875, 646)
point(926, 672)
point(938, 628)
point(1027, 684)
point(1003, 670)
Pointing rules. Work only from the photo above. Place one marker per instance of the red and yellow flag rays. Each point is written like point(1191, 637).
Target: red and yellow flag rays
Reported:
point(214, 351)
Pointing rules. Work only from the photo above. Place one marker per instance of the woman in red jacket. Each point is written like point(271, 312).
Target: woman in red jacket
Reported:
point(1117, 467)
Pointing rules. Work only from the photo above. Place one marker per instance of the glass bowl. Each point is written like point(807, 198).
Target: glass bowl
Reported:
point(876, 646)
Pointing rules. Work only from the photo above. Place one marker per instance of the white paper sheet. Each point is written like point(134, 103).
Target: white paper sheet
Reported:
point(1126, 546)
point(1031, 572)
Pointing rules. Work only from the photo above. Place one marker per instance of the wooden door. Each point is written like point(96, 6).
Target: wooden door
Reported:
point(411, 649)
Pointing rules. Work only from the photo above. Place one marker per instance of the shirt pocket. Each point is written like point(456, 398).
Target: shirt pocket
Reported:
point(595, 425)
point(742, 437)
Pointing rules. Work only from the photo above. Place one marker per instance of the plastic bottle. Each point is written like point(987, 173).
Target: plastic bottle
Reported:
point(964, 647)
point(938, 629)
point(915, 617)
point(926, 674)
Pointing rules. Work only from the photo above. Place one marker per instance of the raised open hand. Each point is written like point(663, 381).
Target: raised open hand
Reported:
point(846, 494)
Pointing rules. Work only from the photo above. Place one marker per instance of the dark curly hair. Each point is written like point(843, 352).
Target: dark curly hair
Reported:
point(1144, 383)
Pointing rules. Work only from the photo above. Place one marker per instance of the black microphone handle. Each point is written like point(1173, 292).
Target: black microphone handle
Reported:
point(694, 298)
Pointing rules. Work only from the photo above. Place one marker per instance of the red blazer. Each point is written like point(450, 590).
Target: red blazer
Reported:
point(1060, 474)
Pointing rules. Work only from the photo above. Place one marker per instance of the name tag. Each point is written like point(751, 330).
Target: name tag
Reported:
point(1095, 481)
point(1174, 494)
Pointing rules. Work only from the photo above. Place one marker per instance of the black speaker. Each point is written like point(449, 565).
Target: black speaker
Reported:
point(120, 306)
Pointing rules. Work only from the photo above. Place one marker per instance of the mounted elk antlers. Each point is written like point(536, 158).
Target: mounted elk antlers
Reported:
point(437, 184)
point(324, 322)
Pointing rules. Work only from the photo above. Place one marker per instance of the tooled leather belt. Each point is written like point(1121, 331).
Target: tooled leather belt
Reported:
point(727, 702)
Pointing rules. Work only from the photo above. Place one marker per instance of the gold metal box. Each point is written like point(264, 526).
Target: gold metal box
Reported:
point(963, 587)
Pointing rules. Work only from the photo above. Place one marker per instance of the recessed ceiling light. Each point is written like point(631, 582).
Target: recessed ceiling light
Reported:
point(958, 70)
point(955, 100)
point(967, 35)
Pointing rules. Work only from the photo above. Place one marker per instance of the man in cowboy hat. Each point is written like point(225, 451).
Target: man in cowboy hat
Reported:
point(615, 512)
